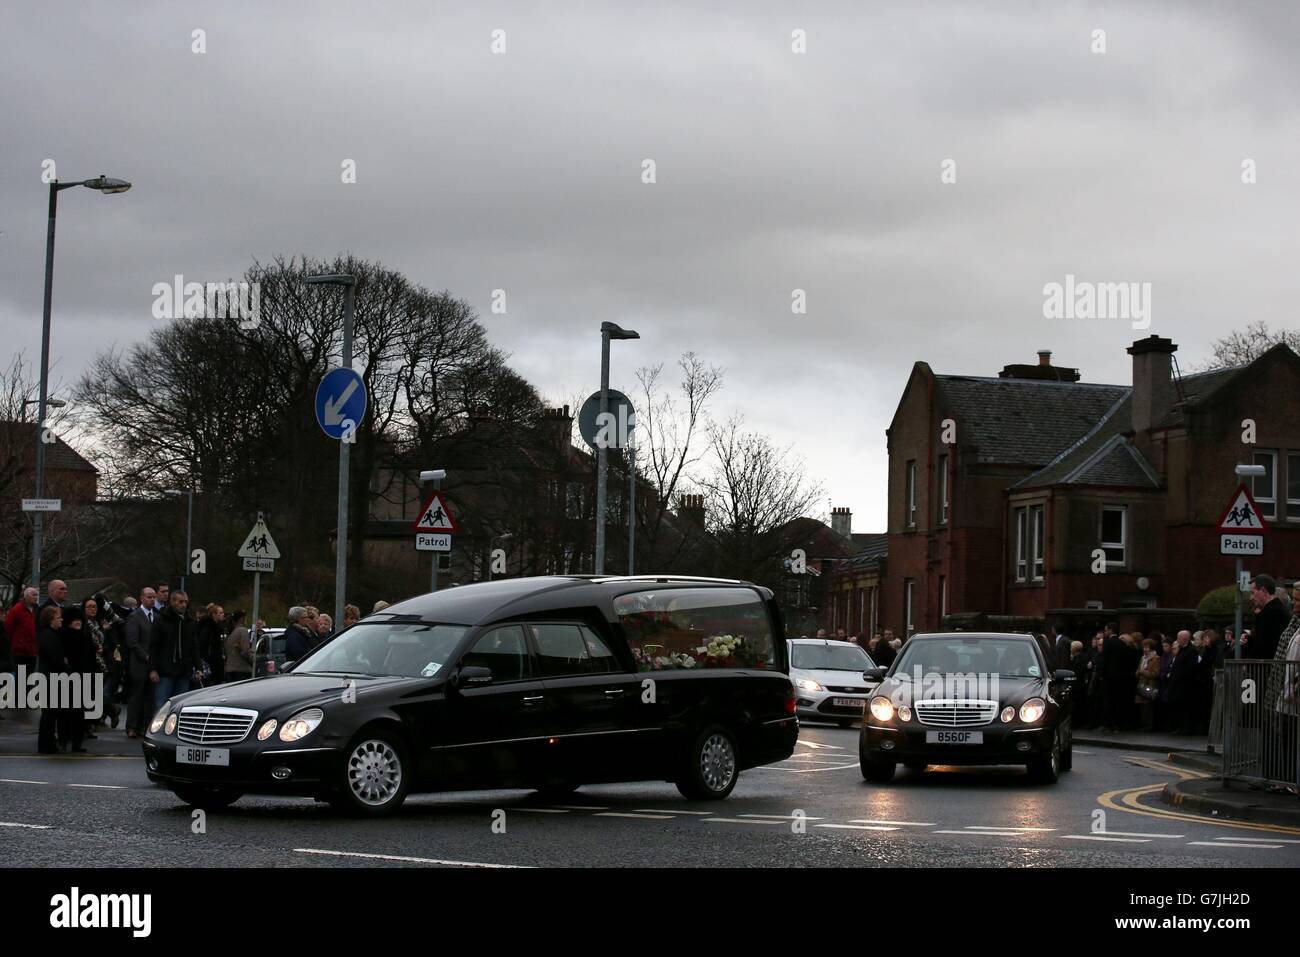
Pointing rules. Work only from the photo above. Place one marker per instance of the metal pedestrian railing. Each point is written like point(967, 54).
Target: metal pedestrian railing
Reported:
point(1215, 743)
point(1260, 710)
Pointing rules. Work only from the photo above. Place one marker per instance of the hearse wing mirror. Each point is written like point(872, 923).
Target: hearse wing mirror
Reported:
point(1063, 674)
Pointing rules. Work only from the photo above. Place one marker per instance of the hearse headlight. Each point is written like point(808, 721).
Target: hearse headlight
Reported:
point(904, 713)
point(156, 724)
point(170, 725)
point(1008, 714)
point(882, 709)
point(301, 724)
point(1032, 710)
point(807, 684)
point(267, 729)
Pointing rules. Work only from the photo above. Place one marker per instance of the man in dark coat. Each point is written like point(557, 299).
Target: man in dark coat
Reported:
point(1182, 685)
point(174, 649)
point(1119, 677)
point(1271, 618)
point(137, 638)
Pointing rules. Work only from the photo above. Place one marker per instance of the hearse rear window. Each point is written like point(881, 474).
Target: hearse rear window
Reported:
point(675, 628)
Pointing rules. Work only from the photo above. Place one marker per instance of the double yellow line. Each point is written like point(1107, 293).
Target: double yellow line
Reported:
point(1129, 799)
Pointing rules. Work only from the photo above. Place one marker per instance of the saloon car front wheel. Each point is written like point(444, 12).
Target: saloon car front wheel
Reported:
point(375, 776)
point(1047, 770)
point(711, 767)
point(206, 798)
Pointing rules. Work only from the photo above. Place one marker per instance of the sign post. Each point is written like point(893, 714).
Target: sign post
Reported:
point(1241, 533)
point(259, 553)
point(433, 530)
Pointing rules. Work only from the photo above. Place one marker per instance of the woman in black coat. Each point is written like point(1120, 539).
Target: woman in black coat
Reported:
point(50, 660)
point(80, 652)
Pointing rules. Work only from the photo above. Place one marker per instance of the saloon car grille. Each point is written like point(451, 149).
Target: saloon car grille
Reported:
point(214, 725)
point(846, 689)
point(956, 713)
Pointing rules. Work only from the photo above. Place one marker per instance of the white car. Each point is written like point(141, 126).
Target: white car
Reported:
point(828, 679)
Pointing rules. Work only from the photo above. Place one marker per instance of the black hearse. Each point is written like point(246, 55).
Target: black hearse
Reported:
point(546, 683)
point(964, 698)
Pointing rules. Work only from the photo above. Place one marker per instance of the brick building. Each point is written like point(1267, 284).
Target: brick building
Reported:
point(1002, 489)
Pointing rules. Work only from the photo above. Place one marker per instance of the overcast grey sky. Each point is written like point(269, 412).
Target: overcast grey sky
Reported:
point(775, 171)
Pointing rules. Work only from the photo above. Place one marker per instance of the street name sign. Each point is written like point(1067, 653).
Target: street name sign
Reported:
point(42, 505)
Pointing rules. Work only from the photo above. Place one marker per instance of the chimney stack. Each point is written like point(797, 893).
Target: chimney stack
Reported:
point(690, 509)
point(1044, 357)
point(842, 521)
point(1153, 384)
point(557, 424)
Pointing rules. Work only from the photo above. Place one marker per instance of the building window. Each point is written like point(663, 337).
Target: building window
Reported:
point(1266, 485)
point(1022, 543)
point(1293, 486)
point(943, 490)
point(909, 589)
point(573, 503)
point(943, 598)
point(1114, 534)
point(1037, 521)
point(909, 512)
point(875, 589)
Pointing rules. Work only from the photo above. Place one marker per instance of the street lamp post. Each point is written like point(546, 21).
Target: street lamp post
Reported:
point(349, 284)
point(435, 476)
point(104, 184)
point(1243, 472)
point(189, 529)
point(608, 331)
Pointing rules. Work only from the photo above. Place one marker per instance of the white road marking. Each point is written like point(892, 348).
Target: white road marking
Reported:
point(833, 767)
point(1077, 751)
point(895, 823)
point(1005, 827)
point(1222, 843)
point(539, 810)
point(407, 860)
point(1103, 837)
point(739, 820)
point(1259, 840)
point(858, 827)
point(20, 781)
point(1171, 837)
point(664, 810)
point(105, 787)
point(643, 817)
point(818, 745)
point(580, 807)
point(988, 833)
point(785, 817)
point(34, 827)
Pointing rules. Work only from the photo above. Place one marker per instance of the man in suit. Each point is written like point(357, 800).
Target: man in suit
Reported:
point(56, 594)
point(137, 639)
point(174, 649)
point(1271, 618)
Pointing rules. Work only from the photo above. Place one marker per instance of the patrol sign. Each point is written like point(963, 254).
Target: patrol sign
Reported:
point(432, 542)
point(1241, 527)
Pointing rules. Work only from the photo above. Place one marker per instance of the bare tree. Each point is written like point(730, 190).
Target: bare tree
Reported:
point(1244, 346)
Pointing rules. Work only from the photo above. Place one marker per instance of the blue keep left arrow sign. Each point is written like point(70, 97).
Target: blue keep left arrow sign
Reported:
point(340, 402)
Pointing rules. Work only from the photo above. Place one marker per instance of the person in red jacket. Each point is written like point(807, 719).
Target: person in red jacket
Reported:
point(20, 626)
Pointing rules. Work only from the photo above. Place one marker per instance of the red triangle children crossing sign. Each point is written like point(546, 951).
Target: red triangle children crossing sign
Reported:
point(435, 516)
point(1242, 516)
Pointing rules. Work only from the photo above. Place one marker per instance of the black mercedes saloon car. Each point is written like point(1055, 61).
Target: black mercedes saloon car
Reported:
point(545, 683)
point(963, 698)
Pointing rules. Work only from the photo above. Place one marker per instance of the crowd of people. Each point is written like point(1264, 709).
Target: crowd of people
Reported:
point(144, 650)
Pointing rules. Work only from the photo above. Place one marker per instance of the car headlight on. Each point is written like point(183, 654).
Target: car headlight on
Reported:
point(904, 713)
point(170, 725)
point(807, 684)
point(1008, 714)
point(267, 729)
point(301, 724)
point(882, 709)
point(156, 724)
point(1032, 710)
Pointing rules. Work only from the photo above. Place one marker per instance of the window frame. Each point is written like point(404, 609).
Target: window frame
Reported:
point(909, 606)
point(1122, 544)
point(1038, 548)
point(584, 629)
point(909, 500)
point(534, 665)
point(1292, 477)
point(1020, 560)
point(1267, 503)
point(943, 489)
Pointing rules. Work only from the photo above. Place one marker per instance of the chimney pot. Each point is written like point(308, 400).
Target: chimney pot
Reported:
point(1044, 357)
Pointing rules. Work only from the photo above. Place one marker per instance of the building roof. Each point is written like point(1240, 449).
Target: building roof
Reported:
point(1102, 456)
point(1024, 421)
point(58, 454)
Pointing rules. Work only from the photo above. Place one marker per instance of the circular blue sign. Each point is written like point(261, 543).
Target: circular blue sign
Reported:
point(340, 402)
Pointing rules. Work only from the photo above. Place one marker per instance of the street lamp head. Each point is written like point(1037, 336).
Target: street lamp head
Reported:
point(331, 279)
point(106, 184)
point(433, 475)
point(615, 331)
point(1251, 471)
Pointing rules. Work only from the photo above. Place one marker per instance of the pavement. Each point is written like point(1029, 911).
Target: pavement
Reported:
point(813, 809)
point(1154, 741)
point(18, 737)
